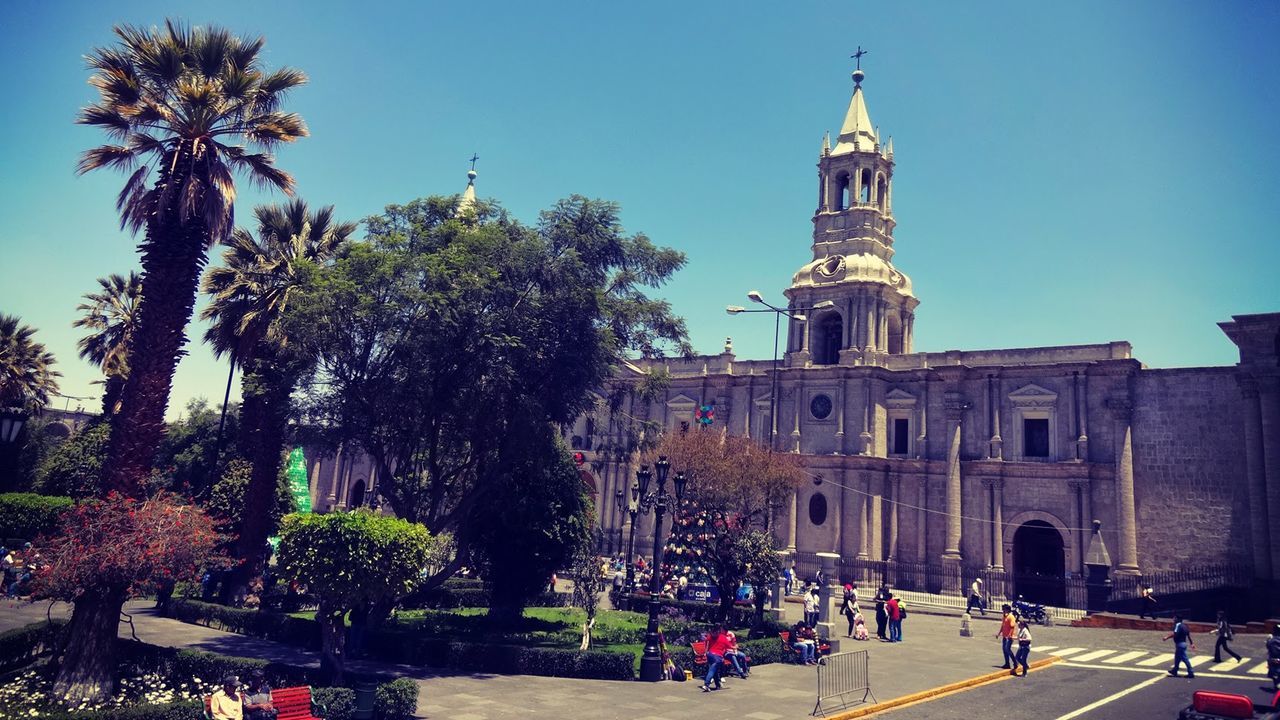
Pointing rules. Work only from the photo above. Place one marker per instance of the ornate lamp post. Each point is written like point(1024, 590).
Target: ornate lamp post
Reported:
point(630, 502)
point(794, 314)
point(651, 661)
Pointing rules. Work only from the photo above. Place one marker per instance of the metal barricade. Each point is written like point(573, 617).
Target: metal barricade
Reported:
point(842, 674)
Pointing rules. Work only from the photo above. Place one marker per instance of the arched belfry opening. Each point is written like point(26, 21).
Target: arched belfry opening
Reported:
point(895, 334)
point(882, 190)
point(864, 193)
point(842, 191)
point(1039, 563)
point(827, 336)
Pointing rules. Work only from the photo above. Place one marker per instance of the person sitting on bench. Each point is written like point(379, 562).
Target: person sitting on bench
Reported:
point(806, 641)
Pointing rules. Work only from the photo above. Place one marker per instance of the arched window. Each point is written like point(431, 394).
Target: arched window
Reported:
point(842, 191)
point(864, 194)
point(827, 339)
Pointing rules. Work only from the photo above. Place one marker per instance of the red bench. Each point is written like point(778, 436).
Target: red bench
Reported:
point(293, 703)
point(700, 658)
point(791, 651)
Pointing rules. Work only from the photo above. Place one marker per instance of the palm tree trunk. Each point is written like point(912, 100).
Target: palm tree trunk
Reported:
point(173, 254)
point(114, 389)
point(267, 388)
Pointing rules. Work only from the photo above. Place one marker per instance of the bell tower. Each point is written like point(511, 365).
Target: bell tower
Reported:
point(867, 308)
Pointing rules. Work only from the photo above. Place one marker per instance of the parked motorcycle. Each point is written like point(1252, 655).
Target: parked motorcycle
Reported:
point(1031, 612)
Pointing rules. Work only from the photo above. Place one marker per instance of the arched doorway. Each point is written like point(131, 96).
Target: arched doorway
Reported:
point(827, 339)
point(1039, 563)
point(357, 495)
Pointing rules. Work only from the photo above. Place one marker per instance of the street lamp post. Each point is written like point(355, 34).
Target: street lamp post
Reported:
point(630, 502)
point(651, 661)
point(11, 421)
point(794, 314)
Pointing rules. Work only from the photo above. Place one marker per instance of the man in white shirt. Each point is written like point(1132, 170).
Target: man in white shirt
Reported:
point(975, 598)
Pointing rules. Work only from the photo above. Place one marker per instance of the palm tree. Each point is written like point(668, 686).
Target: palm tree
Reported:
point(250, 300)
point(177, 100)
point(27, 377)
point(111, 316)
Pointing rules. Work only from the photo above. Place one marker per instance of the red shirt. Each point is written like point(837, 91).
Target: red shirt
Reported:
point(718, 644)
point(892, 607)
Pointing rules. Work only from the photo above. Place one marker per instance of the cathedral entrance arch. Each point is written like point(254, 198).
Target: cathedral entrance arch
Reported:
point(1039, 563)
point(827, 335)
point(356, 498)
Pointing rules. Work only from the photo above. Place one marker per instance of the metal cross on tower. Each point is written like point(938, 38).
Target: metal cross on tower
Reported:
point(475, 157)
point(858, 56)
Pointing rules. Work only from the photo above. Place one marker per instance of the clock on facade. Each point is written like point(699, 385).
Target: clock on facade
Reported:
point(820, 406)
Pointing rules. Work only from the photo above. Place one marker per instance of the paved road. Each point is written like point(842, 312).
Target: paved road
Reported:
point(933, 655)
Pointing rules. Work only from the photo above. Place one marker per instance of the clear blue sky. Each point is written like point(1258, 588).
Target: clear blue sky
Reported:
point(1066, 172)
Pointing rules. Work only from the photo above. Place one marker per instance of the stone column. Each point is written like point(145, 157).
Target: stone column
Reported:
point(791, 522)
point(1079, 521)
point(922, 521)
point(870, 309)
point(1126, 510)
point(1256, 479)
point(864, 438)
point(997, 525)
point(1080, 402)
point(864, 511)
point(838, 520)
point(995, 445)
point(840, 418)
point(850, 504)
point(334, 478)
point(989, 529)
point(827, 594)
point(795, 425)
point(955, 411)
point(896, 502)
point(877, 518)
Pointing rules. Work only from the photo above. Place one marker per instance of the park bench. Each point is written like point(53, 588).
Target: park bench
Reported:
point(293, 703)
point(1209, 705)
point(700, 660)
point(790, 653)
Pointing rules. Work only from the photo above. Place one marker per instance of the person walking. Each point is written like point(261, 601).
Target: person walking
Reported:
point(788, 579)
point(1024, 649)
point(811, 607)
point(1007, 632)
point(882, 618)
point(849, 606)
point(895, 619)
point(1181, 639)
point(1225, 634)
point(975, 598)
point(1148, 599)
point(1273, 657)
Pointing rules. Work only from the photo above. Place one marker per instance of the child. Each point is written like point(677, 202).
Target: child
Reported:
point(860, 627)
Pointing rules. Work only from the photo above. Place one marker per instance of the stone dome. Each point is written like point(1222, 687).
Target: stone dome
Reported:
point(856, 268)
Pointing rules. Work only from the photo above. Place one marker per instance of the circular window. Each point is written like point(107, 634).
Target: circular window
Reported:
point(820, 406)
point(817, 509)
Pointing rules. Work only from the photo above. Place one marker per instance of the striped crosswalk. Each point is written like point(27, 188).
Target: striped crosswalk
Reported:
point(1149, 659)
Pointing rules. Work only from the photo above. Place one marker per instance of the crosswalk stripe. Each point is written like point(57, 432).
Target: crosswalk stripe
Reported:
point(1229, 665)
point(1063, 652)
point(1261, 669)
point(1125, 657)
point(1165, 658)
point(1043, 648)
point(1096, 654)
point(1199, 660)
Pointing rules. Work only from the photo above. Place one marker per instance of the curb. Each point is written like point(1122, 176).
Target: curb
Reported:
point(937, 692)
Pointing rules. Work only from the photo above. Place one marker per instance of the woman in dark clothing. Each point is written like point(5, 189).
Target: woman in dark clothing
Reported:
point(1224, 634)
point(882, 617)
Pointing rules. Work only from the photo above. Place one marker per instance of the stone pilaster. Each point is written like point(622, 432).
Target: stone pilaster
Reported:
point(922, 521)
point(894, 508)
point(1269, 402)
point(1256, 479)
point(791, 522)
point(1126, 509)
point(864, 512)
point(956, 407)
point(1079, 519)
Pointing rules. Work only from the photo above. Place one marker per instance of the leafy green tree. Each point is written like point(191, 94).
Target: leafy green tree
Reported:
point(226, 500)
point(111, 316)
point(184, 461)
point(761, 563)
point(251, 295)
point(440, 336)
point(528, 520)
point(74, 467)
point(347, 560)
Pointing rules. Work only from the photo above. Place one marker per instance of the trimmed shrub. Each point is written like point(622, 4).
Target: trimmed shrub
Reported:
point(457, 593)
point(266, 625)
point(411, 649)
point(170, 711)
point(23, 645)
point(28, 515)
point(396, 700)
point(339, 702)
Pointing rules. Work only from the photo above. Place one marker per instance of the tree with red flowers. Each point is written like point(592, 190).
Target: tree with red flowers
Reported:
point(105, 552)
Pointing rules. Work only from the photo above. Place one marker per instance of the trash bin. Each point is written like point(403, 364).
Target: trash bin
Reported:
point(365, 693)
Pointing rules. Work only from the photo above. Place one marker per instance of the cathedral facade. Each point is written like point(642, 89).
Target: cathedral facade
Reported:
point(995, 460)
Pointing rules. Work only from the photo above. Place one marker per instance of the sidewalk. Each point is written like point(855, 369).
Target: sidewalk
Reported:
point(933, 654)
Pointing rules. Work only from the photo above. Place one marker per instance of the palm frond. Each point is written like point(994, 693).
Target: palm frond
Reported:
point(108, 118)
point(113, 156)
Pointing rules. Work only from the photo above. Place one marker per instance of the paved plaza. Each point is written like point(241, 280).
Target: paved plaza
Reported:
point(1096, 663)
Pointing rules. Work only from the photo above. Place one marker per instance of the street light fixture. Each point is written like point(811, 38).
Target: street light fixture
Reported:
point(11, 421)
point(630, 502)
point(651, 661)
point(794, 314)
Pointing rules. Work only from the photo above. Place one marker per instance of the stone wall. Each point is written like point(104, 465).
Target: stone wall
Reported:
point(1189, 471)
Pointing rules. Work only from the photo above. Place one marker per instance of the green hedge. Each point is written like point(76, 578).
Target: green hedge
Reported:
point(190, 710)
point(28, 515)
point(21, 646)
point(396, 700)
point(457, 592)
point(339, 702)
point(402, 647)
point(269, 626)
